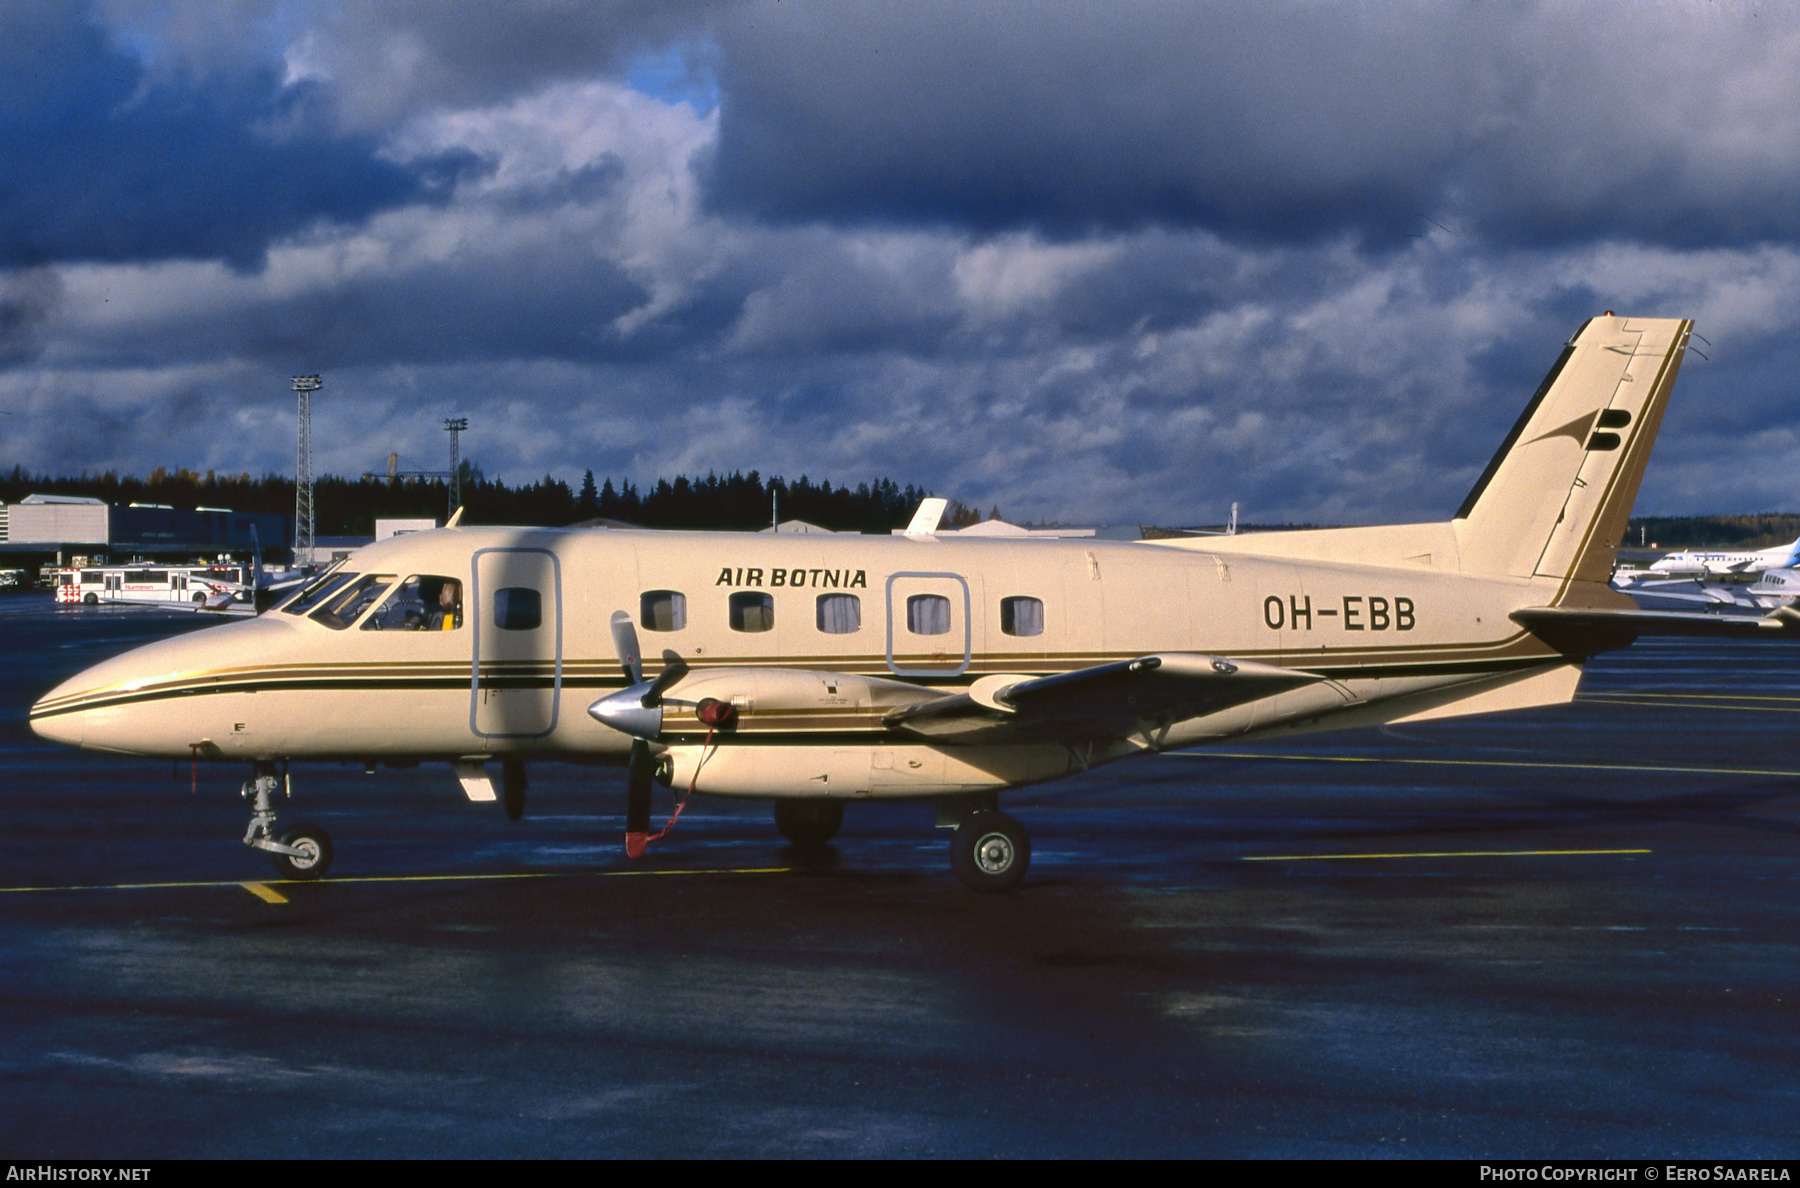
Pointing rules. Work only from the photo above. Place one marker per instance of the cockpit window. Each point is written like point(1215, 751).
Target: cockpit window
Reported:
point(316, 591)
point(347, 605)
point(423, 602)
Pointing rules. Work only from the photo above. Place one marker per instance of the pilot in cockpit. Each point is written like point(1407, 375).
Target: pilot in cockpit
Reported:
point(420, 603)
point(447, 615)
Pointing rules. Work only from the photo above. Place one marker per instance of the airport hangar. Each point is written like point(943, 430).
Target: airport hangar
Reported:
point(53, 529)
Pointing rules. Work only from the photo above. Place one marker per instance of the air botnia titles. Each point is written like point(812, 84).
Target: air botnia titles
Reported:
point(1649, 1173)
point(823, 579)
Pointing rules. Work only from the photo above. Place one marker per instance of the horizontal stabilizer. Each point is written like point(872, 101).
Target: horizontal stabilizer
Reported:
point(1588, 631)
point(1102, 702)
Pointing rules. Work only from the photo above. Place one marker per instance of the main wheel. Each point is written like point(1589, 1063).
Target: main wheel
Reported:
point(91, 599)
point(513, 785)
point(314, 858)
point(809, 824)
point(990, 851)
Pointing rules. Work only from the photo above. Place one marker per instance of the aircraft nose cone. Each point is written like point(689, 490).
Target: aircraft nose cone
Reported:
point(65, 728)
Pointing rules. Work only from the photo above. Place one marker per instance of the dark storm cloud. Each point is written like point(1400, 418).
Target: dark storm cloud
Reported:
point(1258, 120)
point(106, 164)
point(27, 298)
point(1090, 263)
point(389, 60)
point(1264, 121)
point(440, 313)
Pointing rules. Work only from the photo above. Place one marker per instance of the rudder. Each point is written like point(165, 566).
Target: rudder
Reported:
point(1554, 501)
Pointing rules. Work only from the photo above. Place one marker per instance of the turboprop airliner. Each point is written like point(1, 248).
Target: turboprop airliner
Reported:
point(1719, 563)
point(817, 671)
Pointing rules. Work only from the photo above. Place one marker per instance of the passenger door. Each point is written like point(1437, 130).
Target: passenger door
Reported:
point(515, 609)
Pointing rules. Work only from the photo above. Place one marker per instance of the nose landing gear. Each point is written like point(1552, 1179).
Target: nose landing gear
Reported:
point(299, 851)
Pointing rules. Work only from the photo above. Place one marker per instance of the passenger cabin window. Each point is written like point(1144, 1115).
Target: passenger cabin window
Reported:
point(1022, 616)
point(662, 610)
point(752, 612)
point(928, 614)
point(424, 602)
point(518, 608)
point(840, 614)
point(348, 604)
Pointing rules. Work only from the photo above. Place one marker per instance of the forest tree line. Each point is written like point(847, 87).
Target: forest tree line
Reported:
point(1761, 531)
point(350, 507)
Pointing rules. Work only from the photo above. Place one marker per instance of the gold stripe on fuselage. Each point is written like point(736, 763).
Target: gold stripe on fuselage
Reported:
point(1520, 648)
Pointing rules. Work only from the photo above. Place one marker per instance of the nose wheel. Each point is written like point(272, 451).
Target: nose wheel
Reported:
point(305, 852)
point(990, 851)
point(299, 851)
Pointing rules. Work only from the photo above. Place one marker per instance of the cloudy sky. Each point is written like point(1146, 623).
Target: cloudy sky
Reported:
point(1122, 262)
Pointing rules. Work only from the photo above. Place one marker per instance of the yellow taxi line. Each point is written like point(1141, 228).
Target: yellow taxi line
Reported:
point(265, 891)
point(1688, 696)
point(1642, 699)
point(1437, 854)
point(1642, 769)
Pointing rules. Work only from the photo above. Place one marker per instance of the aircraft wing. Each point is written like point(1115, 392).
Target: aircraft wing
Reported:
point(215, 604)
point(1105, 701)
point(1590, 630)
point(1687, 590)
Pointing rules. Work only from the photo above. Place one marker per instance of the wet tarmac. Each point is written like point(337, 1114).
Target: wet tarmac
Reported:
point(1560, 933)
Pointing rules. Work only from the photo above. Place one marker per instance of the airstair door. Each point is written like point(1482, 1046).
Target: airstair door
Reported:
point(515, 607)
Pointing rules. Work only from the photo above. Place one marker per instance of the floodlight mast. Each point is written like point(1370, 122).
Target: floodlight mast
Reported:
point(304, 387)
point(455, 425)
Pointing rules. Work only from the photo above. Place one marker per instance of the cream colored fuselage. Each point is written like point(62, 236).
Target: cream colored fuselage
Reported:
point(1414, 638)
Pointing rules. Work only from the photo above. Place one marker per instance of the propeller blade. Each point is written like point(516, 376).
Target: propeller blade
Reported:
point(625, 642)
point(638, 774)
point(674, 668)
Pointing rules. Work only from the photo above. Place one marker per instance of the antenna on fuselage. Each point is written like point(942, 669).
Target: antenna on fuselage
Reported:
point(925, 520)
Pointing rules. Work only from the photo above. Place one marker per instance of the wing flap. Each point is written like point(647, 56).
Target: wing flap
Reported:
point(1104, 701)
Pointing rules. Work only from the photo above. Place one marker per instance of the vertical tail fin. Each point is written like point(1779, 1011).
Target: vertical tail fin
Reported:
point(1554, 501)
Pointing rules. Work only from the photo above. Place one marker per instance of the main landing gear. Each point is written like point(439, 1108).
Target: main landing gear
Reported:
point(990, 851)
point(809, 824)
point(299, 851)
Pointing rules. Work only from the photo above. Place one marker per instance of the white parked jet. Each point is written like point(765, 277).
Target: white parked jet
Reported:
point(821, 670)
point(1775, 588)
point(1720, 564)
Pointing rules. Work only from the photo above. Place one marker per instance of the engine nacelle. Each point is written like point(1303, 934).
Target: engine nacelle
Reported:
point(901, 771)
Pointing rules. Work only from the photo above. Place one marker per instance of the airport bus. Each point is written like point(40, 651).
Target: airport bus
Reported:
point(143, 584)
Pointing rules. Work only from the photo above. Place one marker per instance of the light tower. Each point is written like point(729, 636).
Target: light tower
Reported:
point(304, 386)
point(455, 425)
